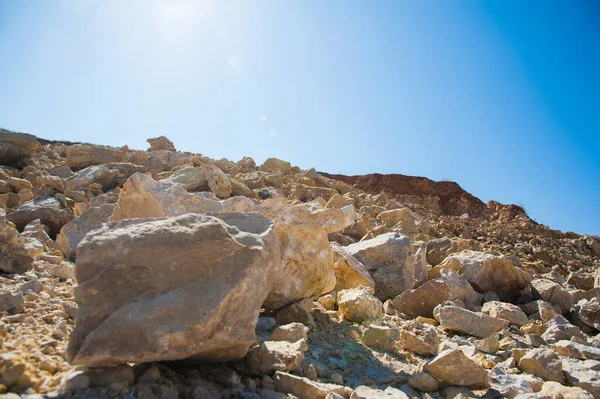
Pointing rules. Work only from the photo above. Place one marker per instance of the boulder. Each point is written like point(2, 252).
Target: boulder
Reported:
point(271, 356)
point(144, 197)
point(402, 220)
point(189, 178)
point(73, 232)
point(349, 272)
point(10, 300)
point(390, 260)
point(14, 258)
point(83, 155)
point(304, 388)
point(19, 184)
point(583, 374)
point(379, 337)
point(489, 272)
point(359, 304)
point(160, 143)
point(552, 292)
point(49, 210)
point(589, 314)
point(473, 323)
point(424, 382)
point(99, 174)
point(274, 165)
point(543, 363)
point(218, 182)
point(365, 392)
point(454, 367)
point(552, 389)
point(422, 300)
point(576, 350)
point(419, 338)
point(189, 286)
point(438, 249)
point(290, 332)
point(306, 269)
point(16, 147)
point(506, 311)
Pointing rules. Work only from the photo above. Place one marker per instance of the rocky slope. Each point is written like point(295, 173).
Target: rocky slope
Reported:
point(167, 274)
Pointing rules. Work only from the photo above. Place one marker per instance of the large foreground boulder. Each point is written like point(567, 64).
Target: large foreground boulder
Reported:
point(15, 147)
point(172, 288)
point(392, 262)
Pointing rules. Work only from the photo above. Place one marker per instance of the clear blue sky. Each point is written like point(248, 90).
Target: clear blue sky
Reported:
point(502, 97)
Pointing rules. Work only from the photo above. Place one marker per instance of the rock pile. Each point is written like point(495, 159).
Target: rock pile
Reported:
point(166, 274)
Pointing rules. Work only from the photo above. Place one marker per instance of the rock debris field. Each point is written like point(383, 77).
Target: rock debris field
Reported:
point(167, 274)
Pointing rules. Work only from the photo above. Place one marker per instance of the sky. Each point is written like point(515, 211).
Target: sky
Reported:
point(502, 97)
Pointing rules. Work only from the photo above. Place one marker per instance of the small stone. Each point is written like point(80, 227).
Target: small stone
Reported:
point(359, 304)
point(290, 332)
point(454, 367)
point(542, 363)
point(11, 300)
point(420, 338)
point(379, 337)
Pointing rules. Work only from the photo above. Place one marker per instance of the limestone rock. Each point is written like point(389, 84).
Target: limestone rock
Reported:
point(304, 388)
point(172, 288)
point(49, 210)
point(14, 258)
point(454, 367)
point(438, 249)
point(554, 390)
point(552, 292)
point(271, 356)
point(489, 272)
point(402, 220)
point(590, 313)
point(543, 363)
point(419, 338)
point(82, 155)
point(473, 323)
point(424, 382)
point(365, 392)
point(422, 300)
point(583, 374)
point(506, 311)
point(359, 304)
point(63, 271)
point(276, 165)
point(306, 269)
point(349, 272)
point(10, 300)
point(19, 184)
point(576, 350)
point(389, 259)
point(160, 143)
point(73, 232)
point(16, 147)
point(144, 197)
point(290, 332)
point(217, 181)
point(379, 337)
point(99, 174)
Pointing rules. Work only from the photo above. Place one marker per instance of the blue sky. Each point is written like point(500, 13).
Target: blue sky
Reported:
point(502, 97)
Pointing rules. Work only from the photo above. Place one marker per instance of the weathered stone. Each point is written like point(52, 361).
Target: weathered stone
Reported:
point(81, 156)
point(182, 287)
point(419, 338)
point(307, 265)
point(379, 337)
point(99, 174)
point(290, 332)
point(73, 232)
point(16, 147)
point(365, 392)
point(402, 220)
point(349, 272)
point(276, 165)
point(144, 197)
point(14, 258)
point(271, 356)
point(424, 382)
point(552, 292)
point(359, 304)
point(438, 249)
point(506, 311)
point(218, 182)
point(577, 351)
point(389, 259)
point(49, 210)
point(542, 363)
point(10, 300)
point(590, 313)
point(422, 300)
point(584, 374)
point(297, 312)
point(19, 184)
point(581, 280)
point(473, 323)
point(559, 328)
point(489, 272)
point(454, 367)
point(554, 390)
point(513, 385)
point(304, 388)
point(63, 270)
point(160, 143)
